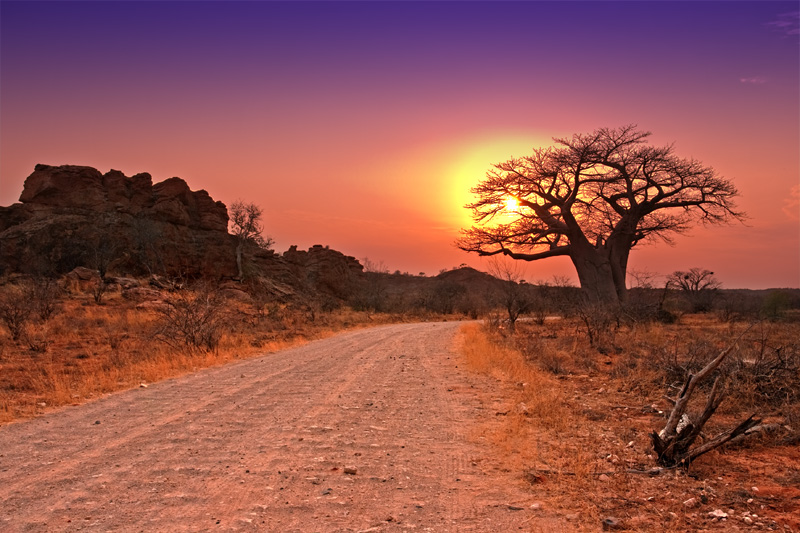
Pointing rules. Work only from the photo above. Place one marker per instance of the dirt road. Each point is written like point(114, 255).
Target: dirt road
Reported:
point(372, 430)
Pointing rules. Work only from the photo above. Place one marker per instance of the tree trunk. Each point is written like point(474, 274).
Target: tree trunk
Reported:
point(596, 276)
point(239, 248)
point(618, 259)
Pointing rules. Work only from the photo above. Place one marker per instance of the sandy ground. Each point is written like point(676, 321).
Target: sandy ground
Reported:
point(372, 430)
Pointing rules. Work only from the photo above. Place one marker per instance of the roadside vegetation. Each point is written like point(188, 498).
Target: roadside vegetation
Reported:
point(580, 389)
point(579, 416)
point(59, 346)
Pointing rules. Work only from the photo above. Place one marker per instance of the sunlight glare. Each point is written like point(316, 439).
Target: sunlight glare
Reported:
point(511, 205)
point(475, 156)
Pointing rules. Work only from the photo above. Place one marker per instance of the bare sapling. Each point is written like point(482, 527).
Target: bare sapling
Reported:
point(673, 443)
point(15, 310)
point(513, 294)
point(194, 319)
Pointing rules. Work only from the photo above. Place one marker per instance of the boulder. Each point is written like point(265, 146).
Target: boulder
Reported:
point(65, 186)
point(324, 270)
point(142, 294)
point(83, 274)
point(125, 283)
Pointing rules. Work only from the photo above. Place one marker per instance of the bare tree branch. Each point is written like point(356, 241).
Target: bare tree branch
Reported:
point(246, 226)
point(594, 197)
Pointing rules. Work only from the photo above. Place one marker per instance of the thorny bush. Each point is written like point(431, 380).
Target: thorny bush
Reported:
point(15, 310)
point(195, 319)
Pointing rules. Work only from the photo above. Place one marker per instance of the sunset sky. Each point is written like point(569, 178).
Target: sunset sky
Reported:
point(363, 125)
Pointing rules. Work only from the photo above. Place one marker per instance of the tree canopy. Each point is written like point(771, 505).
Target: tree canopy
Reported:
point(593, 197)
point(245, 225)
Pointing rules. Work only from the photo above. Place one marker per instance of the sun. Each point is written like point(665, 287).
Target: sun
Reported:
point(471, 157)
point(511, 205)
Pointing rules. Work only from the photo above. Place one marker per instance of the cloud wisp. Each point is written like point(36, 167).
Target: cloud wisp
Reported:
point(786, 23)
point(791, 204)
point(754, 80)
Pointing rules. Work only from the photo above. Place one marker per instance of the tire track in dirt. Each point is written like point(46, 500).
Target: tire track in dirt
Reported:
point(263, 444)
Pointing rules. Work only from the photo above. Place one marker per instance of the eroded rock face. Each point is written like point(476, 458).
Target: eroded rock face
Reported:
point(73, 216)
point(48, 185)
point(324, 270)
point(177, 204)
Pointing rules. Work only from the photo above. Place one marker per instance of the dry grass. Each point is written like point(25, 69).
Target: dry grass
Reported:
point(591, 412)
point(87, 350)
point(572, 418)
point(536, 395)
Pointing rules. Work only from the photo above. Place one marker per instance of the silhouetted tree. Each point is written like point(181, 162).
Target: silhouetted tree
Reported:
point(15, 309)
point(593, 198)
point(514, 294)
point(443, 296)
point(246, 226)
point(374, 266)
point(698, 285)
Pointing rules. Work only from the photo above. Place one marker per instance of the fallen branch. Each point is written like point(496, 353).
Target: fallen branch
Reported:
point(756, 430)
point(672, 444)
point(533, 473)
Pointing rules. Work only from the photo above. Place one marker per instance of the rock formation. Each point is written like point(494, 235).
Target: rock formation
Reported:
point(74, 216)
point(324, 270)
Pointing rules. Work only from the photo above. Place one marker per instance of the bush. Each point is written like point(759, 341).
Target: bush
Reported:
point(775, 305)
point(15, 309)
point(193, 319)
point(444, 296)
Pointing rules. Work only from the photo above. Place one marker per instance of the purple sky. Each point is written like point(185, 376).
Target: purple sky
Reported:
point(362, 125)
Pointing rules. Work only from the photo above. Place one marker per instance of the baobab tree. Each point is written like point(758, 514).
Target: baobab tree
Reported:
point(592, 198)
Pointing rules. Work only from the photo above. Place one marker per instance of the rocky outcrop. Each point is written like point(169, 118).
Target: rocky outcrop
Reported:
point(71, 216)
point(324, 270)
point(85, 189)
point(76, 217)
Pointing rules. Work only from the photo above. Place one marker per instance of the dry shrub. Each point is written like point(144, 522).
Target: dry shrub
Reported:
point(192, 319)
point(762, 372)
point(765, 370)
point(43, 295)
point(85, 349)
point(26, 307)
point(36, 337)
point(600, 324)
point(558, 347)
point(538, 351)
point(15, 310)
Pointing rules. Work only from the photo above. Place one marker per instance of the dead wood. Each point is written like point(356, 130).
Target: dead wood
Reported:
point(762, 429)
point(673, 443)
point(533, 475)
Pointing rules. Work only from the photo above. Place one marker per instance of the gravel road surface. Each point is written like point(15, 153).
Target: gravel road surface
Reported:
point(370, 430)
